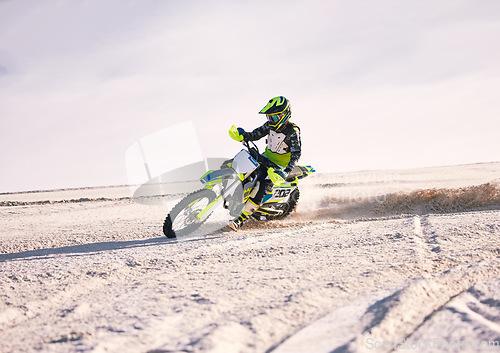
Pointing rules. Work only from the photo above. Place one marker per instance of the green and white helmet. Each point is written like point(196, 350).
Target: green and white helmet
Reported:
point(277, 112)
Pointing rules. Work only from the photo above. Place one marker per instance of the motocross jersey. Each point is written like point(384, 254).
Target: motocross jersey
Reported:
point(283, 147)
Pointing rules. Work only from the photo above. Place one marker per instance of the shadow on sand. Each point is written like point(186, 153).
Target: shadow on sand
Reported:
point(97, 247)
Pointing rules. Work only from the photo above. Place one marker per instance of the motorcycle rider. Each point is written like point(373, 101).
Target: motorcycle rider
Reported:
point(282, 152)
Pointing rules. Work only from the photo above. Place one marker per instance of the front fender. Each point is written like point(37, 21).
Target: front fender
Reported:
point(215, 177)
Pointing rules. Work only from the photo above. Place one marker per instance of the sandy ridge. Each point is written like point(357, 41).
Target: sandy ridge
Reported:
point(407, 309)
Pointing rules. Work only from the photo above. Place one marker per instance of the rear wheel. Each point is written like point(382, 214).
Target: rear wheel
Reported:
point(286, 208)
point(183, 219)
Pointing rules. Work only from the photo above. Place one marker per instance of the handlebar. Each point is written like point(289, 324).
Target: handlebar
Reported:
point(253, 150)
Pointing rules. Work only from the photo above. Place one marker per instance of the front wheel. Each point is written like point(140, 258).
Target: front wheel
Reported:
point(183, 219)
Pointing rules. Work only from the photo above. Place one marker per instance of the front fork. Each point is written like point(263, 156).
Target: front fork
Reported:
point(223, 193)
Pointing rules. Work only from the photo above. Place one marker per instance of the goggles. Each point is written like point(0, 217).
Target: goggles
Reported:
point(274, 118)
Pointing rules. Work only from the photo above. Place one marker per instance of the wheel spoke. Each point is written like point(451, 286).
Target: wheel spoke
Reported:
point(188, 215)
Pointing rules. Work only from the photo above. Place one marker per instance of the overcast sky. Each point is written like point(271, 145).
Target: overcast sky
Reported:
point(373, 84)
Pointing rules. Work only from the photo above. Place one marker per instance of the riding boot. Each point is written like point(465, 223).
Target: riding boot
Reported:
point(249, 208)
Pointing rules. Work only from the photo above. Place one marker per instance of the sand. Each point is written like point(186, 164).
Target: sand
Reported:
point(365, 264)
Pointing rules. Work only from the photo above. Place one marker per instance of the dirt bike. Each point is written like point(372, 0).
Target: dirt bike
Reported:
point(231, 186)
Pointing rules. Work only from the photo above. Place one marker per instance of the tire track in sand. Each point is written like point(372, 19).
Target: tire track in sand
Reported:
point(392, 318)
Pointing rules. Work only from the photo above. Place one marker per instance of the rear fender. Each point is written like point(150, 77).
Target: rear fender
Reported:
point(300, 172)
